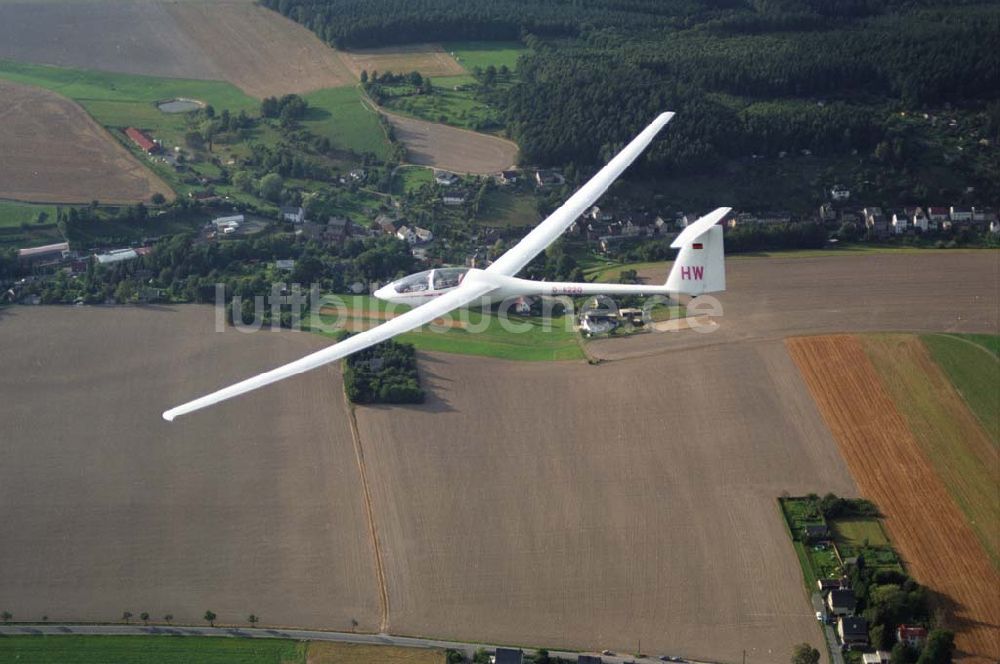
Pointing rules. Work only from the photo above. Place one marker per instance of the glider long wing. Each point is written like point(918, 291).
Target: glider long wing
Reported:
point(556, 223)
point(425, 313)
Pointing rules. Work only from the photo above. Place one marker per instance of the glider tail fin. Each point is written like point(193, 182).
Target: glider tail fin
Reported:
point(700, 265)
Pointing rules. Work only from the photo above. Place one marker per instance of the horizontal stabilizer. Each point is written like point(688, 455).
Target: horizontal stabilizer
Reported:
point(693, 231)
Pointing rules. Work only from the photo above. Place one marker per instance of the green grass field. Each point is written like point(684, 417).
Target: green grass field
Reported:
point(458, 108)
point(121, 100)
point(485, 335)
point(855, 532)
point(339, 114)
point(967, 361)
point(13, 213)
point(411, 178)
point(472, 54)
point(501, 207)
point(73, 649)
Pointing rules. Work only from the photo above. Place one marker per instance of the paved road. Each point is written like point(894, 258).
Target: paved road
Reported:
point(15, 629)
point(831, 637)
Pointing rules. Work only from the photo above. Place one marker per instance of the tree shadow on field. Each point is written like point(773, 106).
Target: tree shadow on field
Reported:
point(314, 114)
point(957, 618)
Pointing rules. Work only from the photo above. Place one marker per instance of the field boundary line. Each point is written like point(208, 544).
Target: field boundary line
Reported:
point(359, 454)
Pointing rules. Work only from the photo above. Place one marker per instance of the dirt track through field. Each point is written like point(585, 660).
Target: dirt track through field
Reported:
point(54, 152)
point(428, 59)
point(450, 148)
point(259, 50)
point(938, 546)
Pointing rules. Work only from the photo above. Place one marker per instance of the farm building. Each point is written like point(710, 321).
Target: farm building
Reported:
point(911, 636)
point(43, 254)
point(147, 144)
point(116, 256)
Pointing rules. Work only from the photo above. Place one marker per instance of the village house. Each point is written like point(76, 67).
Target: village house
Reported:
point(140, 138)
point(912, 636)
point(507, 656)
point(422, 234)
point(116, 256)
point(454, 198)
point(406, 234)
point(507, 177)
point(296, 215)
point(549, 178)
point(853, 631)
point(918, 218)
point(385, 224)
point(901, 222)
point(337, 230)
point(876, 222)
point(444, 178)
point(960, 214)
point(877, 657)
point(984, 215)
point(841, 602)
point(815, 532)
point(937, 216)
point(840, 193)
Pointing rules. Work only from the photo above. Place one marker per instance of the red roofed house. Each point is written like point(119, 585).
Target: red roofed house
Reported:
point(912, 636)
point(142, 140)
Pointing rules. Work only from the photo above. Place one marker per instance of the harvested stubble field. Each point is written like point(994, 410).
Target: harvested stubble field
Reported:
point(253, 508)
point(256, 49)
point(451, 148)
point(54, 152)
point(260, 51)
point(428, 59)
point(924, 522)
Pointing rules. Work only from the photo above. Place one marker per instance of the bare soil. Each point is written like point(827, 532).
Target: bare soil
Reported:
point(451, 148)
point(260, 51)
point(54, 152)
point(126, 36)
point(428, 59)
point(256, 49)
point(591, 507)
point(772, 298)
point(924, 522)
point(254, 507)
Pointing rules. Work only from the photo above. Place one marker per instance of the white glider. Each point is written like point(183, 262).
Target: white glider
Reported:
point(699, 268)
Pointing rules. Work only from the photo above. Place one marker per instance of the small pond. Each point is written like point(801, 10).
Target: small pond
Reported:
point(179, 106)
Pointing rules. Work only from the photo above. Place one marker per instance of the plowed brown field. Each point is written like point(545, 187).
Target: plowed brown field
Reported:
point(451, 148)
point(937, 544)
point(54, 152)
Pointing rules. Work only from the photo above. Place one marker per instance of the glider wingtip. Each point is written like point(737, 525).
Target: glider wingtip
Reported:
point(169, 415)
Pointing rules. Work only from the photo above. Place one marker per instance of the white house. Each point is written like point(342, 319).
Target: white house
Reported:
point(840, 193)
point(900, 222)
point(116, 256)
point(454, 198)
point(221, 223)
point(422, 234)
point(937, 216)
point(296, 215)
point(918, 218)
point(961, 214)
point(877, 657)
point(445, 178)
point(407, 234)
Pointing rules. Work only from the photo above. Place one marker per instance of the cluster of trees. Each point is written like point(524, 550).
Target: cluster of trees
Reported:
point(185, 270)
point(206, 127)
point(375, 84)
point(288, 108)
point(385, 373)
point(598, 70)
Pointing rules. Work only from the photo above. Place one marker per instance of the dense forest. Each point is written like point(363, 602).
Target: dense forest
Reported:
point(746, 77)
